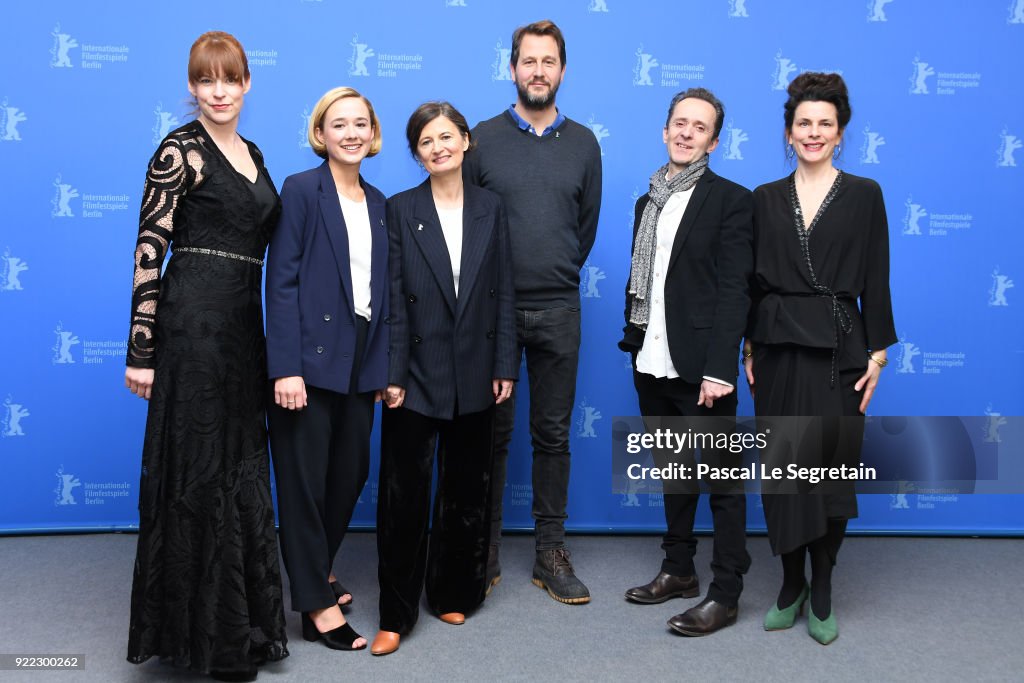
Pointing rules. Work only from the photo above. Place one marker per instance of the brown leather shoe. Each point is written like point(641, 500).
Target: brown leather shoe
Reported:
point(664, 587)
point(453, 618)
point(707, 617)
point(384, 643)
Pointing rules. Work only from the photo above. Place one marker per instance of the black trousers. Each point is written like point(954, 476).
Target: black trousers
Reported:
point(321, 460)
point(660, 396)
point(453, 561)
point(551, 340)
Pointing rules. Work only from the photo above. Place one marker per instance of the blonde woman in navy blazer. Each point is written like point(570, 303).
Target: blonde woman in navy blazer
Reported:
point(452, 359)
point(327, 339)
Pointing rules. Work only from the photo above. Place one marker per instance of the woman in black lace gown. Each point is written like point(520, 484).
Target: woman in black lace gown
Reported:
point(821, 322)
point(207, 589)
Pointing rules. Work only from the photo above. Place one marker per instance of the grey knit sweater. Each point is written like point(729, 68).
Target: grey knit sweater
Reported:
point(551, 188)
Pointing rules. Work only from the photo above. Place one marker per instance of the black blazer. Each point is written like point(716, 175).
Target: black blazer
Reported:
point(707, 292)
point(446, 350)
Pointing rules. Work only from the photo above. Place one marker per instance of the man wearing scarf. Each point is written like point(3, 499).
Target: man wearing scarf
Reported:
point(686, 307)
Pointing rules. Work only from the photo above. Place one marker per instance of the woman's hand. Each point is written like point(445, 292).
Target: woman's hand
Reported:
point(290, 392)
point(394, 396)
point(502, 389)
point(748, 367)
point(868, 381)
point(139, 381)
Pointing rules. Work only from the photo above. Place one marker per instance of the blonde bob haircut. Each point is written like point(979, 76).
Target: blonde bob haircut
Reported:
point(316, 119)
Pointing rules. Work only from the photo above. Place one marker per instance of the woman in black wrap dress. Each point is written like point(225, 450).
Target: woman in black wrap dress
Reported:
point(820, 323)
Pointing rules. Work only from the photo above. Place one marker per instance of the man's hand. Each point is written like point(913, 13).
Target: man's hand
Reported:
point(712, 391)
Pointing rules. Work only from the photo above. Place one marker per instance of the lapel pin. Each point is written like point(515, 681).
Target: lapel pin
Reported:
point(419, 227)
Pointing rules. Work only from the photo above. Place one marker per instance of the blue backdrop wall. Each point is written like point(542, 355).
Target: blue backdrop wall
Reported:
point(89, 88)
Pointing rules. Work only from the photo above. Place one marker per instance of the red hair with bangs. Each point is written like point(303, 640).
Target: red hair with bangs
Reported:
point(216, 53)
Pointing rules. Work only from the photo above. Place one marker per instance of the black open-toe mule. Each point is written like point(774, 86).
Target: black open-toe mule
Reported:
point(340, 638)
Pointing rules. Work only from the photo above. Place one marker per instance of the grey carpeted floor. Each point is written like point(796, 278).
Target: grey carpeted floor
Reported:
point(934, 609)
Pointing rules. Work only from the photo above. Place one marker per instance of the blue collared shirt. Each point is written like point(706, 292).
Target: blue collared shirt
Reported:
point(525, 125)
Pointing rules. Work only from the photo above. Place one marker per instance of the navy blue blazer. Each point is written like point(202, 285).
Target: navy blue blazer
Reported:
point(310, 314)
point(446, 350)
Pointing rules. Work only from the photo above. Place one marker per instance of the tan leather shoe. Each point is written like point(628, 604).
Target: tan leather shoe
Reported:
point(454, 618)
point(384, 643)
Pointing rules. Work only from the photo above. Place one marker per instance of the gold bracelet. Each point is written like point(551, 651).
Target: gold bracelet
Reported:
point(748, 354)
point(881, 362)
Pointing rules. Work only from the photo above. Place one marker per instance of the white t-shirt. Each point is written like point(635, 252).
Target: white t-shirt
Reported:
point(360, 251)
point(451, 227)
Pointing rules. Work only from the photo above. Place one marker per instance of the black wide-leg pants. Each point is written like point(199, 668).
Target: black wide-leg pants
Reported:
point(453, 561)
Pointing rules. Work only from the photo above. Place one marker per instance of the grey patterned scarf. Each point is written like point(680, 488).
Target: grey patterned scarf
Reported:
point(642, 266)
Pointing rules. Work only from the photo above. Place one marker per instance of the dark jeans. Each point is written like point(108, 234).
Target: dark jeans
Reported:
point(321, 460)
point(453, 561)
point(551, 340)
point(729, 560)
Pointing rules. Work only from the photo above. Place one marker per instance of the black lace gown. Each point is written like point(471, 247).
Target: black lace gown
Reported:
point(207, 588)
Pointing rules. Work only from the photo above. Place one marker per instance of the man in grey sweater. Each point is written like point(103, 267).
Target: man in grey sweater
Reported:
point(547, 169)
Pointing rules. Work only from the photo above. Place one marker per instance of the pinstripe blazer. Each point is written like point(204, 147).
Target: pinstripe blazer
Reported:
point(446, 350)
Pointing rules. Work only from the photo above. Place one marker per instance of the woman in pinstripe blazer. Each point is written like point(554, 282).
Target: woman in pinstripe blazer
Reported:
point(452, 359)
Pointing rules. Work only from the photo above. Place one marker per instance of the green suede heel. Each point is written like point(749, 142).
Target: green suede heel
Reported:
point(822, 631)
point(781, 619)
